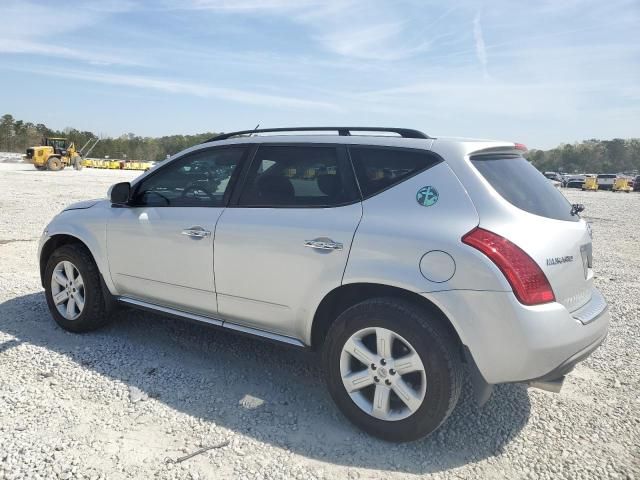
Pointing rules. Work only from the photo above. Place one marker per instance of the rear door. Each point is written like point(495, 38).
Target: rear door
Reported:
point(542, 224)
point(284, 244)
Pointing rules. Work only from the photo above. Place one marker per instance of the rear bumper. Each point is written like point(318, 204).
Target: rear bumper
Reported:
point(567, 366)
point(510, 342)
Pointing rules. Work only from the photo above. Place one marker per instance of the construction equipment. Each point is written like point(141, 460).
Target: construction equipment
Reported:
point(590, 184)
point(56, 153)
point(621, 184)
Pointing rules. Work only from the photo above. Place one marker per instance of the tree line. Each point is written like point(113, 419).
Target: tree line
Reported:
point(590, 156)
point(17, 136)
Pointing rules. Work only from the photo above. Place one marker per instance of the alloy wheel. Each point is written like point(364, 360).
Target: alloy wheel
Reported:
point(67, 290)
point(383, 374)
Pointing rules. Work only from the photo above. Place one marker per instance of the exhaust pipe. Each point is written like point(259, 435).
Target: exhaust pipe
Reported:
point(553, 386)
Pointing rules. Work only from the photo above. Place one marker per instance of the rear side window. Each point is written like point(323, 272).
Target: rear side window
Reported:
point(298, 176)
point(522, 185)
point(379, 168)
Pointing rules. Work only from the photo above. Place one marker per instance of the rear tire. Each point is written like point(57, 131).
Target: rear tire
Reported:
point(54, 164)
point(434, 389)
point(71, 274)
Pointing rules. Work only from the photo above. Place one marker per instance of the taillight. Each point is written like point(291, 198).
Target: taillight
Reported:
point(529, 283)
point(520, 146)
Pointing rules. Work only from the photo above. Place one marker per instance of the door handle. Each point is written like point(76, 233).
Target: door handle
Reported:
point(323, 244)
point(196, 232)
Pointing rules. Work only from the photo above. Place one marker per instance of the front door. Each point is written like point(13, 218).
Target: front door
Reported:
point(160, 248)
point(285, 244)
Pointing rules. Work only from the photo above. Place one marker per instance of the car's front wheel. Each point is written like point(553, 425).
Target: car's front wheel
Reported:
point(392, 369)
point(73, 289)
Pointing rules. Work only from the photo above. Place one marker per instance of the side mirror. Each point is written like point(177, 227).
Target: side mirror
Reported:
point(120, 193)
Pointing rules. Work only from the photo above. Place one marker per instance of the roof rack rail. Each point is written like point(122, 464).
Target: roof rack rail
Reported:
point(342, 131)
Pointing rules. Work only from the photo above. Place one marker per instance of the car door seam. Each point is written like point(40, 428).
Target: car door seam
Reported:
point(213, 246)
point(353, 239)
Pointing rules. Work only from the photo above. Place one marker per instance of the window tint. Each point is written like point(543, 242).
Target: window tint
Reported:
point(522, 185)
point(298, 176)
point(379, 168)
point(199, 180)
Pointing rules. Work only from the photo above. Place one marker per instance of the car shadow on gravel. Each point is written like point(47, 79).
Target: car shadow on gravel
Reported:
point(269, 392)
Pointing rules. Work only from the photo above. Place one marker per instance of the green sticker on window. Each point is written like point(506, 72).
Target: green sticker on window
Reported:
point(427, 196)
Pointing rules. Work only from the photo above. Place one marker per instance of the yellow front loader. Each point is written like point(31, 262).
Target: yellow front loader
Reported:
point(621, 184)
point(56, 153)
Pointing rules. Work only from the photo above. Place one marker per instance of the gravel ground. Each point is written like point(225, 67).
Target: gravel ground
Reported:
point(127, 401)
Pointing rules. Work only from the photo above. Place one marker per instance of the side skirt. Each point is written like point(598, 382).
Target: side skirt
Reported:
point(254, 332)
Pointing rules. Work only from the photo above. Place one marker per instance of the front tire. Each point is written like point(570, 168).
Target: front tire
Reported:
point(392, 369)
point(73, 289)
point(54, 164)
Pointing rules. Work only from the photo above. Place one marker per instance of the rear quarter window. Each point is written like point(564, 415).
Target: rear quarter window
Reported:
point(522, 185)
point(379, 168)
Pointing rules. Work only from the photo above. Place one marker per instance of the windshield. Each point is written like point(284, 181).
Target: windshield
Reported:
point(522, 185)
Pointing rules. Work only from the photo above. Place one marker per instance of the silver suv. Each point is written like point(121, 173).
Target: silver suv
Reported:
point(399, 256)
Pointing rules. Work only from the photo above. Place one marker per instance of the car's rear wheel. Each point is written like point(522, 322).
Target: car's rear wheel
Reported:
point(392, 369)
point(73, 289)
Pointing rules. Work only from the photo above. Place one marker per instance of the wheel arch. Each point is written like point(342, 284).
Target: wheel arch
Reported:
point(54, 242)
point(58, 240)
point(350, 294)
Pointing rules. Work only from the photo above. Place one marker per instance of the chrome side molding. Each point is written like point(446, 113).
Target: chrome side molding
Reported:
point(169, 311)
point(132, 302)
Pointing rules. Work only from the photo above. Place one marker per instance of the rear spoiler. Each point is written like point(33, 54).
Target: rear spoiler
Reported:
point(508, 149)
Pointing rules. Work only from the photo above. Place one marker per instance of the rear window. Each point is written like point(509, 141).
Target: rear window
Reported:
point(522, 185)
point(606, 175)
point(379, 168)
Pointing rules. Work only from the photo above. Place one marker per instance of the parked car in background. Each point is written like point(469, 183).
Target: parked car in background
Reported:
point(575, 181)
point(606, 181)
point(636, 184)
point(400, 258)
point(555, 176)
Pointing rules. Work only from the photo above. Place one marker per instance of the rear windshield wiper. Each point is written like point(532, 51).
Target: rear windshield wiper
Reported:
point(576, 208)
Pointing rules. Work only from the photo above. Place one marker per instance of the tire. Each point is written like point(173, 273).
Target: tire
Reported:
point(77, 163)
point(54, 164)
point(439, 354)
point(93, 313)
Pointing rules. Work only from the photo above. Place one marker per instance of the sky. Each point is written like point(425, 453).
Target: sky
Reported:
point(540, 72)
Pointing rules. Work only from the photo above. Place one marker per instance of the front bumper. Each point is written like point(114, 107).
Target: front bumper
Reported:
point(511, 342)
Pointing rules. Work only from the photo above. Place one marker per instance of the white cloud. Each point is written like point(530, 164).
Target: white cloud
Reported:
point(189, 88)
point(362, 29)
point(32, 29)
point(242, 5)
point(481, 51)
point(33, 47)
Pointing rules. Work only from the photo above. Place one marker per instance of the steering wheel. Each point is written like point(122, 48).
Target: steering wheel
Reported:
point(153, 192)
point(195, 187)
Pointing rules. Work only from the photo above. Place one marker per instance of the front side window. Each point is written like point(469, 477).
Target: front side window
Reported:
point(298, 176)
point(379, 168)
point(198, 180)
